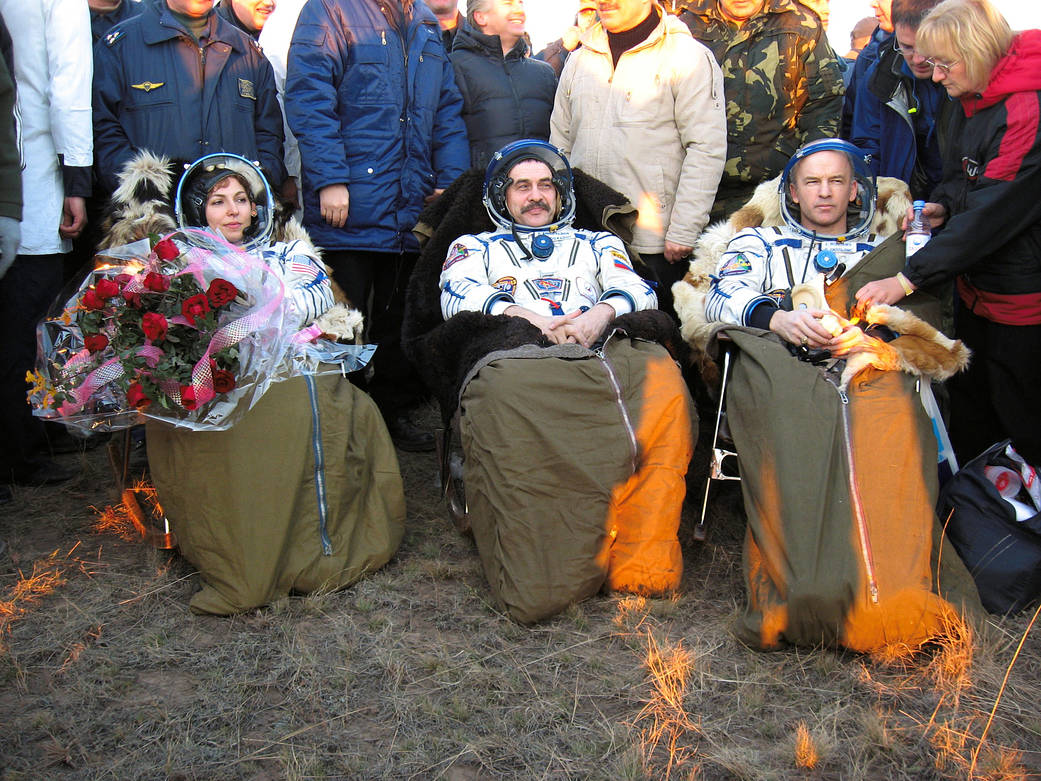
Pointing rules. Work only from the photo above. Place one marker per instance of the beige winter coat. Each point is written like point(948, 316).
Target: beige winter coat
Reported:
point(654, 128)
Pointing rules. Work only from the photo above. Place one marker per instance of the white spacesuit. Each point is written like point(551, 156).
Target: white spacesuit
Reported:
point(551, 270)
point(761, 266)
point(489, 272)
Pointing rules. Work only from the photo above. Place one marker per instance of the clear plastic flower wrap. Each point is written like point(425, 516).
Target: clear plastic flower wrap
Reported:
point(190, 330)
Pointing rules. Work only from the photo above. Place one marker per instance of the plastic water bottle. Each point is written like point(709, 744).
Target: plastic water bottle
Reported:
point(918, 232)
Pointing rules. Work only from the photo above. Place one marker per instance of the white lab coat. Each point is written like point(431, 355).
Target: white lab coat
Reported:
point(53, 71)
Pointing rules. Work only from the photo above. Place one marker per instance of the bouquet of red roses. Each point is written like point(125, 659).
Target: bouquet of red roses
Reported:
point(186, 331)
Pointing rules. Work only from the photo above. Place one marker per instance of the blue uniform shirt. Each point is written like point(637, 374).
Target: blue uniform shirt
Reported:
point(147, 95)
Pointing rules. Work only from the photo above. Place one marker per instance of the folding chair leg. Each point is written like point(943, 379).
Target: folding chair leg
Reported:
point(716, 471)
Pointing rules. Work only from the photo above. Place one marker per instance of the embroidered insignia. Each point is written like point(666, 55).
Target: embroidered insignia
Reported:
point(457, 253)
point(621, 260)
point(506, 284)
point(113, 36)
point(148, 86)
point(246, 89)
point(777, 295)
point(738, 264)
point(548, 285)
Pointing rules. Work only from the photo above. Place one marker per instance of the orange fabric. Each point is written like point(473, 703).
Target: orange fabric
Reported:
point(644, 516)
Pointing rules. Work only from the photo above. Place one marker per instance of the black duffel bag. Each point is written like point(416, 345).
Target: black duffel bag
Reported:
point(1003, 554)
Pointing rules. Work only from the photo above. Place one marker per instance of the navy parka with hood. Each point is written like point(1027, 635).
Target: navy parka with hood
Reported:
point(373, 106)
point(504, 98)
point(146, 95)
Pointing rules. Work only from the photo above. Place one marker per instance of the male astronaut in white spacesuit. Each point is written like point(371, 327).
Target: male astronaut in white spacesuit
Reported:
point(569, 283)
point(761, 265)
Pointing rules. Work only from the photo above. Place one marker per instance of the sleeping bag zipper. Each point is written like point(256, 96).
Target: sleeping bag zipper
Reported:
point(627, 422)
point(319, 466)
point(858, 507)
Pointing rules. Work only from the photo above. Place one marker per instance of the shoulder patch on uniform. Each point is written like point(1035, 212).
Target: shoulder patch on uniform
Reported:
point(246, 89)
point(457, 253)
point(738, 264)
point(113, 36)
point(621, 260)
point(506, 284)
point(148, 86)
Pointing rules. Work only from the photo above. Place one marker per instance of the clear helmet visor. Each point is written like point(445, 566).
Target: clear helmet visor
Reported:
point(497, 180)
point(207, 173)
point(861, 210)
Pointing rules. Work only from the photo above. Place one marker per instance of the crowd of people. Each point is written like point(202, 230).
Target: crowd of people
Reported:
point(371, 109)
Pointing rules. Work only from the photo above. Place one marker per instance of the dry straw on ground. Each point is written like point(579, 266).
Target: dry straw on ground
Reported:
point(414, 673)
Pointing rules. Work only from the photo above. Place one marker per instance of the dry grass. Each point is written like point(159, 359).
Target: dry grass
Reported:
point(415, 674)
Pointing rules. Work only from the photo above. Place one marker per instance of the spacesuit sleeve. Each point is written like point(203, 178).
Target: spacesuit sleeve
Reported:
point(308, 289)
point(737, 286)
point(624, 289)
point(464, 282)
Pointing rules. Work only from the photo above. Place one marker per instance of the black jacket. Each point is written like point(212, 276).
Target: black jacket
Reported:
point(991, 189)
point(504, 98)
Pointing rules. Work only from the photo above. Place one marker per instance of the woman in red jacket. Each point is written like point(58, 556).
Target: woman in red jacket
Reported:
point(989, 205)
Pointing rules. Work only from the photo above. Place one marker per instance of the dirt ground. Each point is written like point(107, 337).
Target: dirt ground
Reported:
point(414, 673)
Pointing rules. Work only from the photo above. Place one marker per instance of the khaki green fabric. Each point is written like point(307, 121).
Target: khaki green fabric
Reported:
point(244, 504)
point(557, 509)
point(805, 562)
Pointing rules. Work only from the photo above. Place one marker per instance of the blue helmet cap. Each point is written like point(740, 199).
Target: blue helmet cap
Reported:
point(497, 180)
point(864, 204)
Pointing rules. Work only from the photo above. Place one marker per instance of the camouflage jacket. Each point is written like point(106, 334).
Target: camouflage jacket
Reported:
point(782, 84)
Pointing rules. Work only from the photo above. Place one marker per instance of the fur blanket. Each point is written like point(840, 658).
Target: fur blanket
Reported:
point(444, 351)
point(922, 349)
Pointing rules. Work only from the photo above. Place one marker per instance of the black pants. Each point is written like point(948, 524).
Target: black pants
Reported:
point(26, 292)
point(667, 275)
point(375, 283)
point(997, 396)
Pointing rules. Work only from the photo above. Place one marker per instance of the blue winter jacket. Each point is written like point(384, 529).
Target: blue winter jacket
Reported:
point(884, 120)
point(376, 110)
point(147, 95)
point(857, 81)
point(102, 22)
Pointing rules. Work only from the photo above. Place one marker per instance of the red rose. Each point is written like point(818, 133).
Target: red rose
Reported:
point(223, 381)
point(136, 397)
point(154, 325)
point(195, 307)
point(134, 299)
point(157, 283)
point(122, 279)
point(188, 397)
point(107, 288)
point(91, 300)
point(221, 292)
point(166, 250)
point(95, 342)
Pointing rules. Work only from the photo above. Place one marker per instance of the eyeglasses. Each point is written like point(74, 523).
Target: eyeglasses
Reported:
point(943, 67)
point(899, 48)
